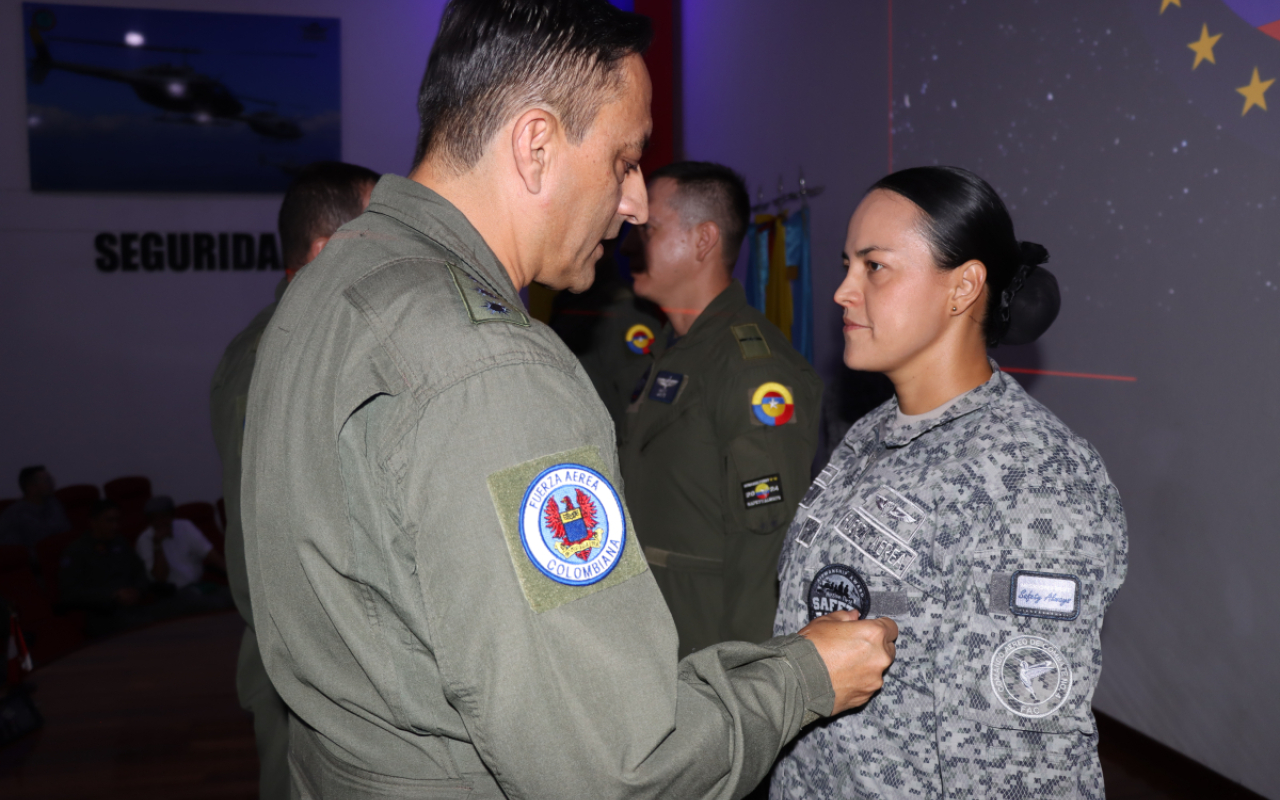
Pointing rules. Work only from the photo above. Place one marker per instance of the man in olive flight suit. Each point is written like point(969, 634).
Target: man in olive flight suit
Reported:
point(323, 197)
point(445, 587)
point(720, 438)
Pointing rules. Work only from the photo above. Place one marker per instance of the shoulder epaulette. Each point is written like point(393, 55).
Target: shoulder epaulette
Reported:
point(482, 301)
point(750, 341)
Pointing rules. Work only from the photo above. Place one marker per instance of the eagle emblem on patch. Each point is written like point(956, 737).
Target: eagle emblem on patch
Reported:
point(572, 524)
point(639, 339)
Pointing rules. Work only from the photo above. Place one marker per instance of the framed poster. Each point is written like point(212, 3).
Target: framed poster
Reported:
point(140, 100)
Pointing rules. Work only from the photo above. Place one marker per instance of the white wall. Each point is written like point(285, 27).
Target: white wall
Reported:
point(106, 375)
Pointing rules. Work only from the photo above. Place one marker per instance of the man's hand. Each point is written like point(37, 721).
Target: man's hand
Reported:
point(856, 653)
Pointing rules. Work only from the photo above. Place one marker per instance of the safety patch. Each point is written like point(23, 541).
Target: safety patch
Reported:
point(566, 528)
point(483, 302)
point(1044, 594)
point(666, 387)
point(762, 491)
point(837, 587)
point(1030, 676)
point(772, 404)
point(639, 339)
point(750, 341)
point(876, 543)
point(808, 530)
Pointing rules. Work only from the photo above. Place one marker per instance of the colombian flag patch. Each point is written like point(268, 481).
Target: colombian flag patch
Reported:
point(772, 404)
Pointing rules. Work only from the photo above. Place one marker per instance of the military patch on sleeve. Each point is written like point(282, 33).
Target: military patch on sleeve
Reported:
point(484, 303)
point(750, 341)
point(639, 339)
point(772, 404)
point(566, 528)
point(762, 491)
point(666, 386)
point(1030, 676)
point(837, 587)
point(1044, 594)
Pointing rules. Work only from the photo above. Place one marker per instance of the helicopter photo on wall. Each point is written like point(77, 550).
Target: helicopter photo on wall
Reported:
point(140, 100)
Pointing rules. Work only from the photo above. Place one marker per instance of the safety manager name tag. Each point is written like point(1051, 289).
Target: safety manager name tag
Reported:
point(1044, 594)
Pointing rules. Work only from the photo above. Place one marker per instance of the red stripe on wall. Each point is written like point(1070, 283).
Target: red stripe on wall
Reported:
point(1068, 374)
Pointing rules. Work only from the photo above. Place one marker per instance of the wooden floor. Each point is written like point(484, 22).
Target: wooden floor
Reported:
point(153, 714)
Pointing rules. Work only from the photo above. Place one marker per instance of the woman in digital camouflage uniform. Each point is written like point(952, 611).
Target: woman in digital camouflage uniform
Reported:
point(962, 508)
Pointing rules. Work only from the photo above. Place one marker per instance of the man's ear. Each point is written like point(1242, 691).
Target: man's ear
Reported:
point(706, 241)
point(531, 146)
point(317, 244)
point(968, 281)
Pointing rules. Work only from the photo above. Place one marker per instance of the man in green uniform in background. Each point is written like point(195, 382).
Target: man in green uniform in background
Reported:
point(611, 331)
point(323, 197)
point(446, 589)
point(719, 441)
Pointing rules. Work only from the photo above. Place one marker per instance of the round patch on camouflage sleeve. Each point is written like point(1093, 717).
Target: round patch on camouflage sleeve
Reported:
point(1030, 676)
point(572, 524)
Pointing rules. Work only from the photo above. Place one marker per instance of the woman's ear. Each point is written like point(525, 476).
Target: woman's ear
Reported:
point(968, 281)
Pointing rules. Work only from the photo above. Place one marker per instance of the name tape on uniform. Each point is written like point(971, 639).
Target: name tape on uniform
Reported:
point(762, 491)
point(1044, 594)
point(877, 544)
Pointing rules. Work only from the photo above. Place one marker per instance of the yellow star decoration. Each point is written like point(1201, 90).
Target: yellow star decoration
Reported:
point(1166, 3)
point(1254, 93)
point(1204, 48)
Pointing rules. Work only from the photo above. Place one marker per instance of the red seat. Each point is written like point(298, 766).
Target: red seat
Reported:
point(131, 495)
point(49, 635)
point(77, 500)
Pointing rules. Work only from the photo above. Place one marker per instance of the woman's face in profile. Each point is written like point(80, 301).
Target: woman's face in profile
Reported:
point(896, 301)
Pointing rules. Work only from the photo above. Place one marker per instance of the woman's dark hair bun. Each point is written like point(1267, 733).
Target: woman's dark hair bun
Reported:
point(1031, 301)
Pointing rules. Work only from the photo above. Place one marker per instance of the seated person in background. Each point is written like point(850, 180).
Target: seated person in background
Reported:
point(37, 515)
point(175, 553)
point(101, 575)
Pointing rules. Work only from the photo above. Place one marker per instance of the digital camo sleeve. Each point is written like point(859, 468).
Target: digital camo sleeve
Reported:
point(1020, 657)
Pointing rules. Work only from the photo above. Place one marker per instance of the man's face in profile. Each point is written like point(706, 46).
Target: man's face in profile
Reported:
point(600, 185)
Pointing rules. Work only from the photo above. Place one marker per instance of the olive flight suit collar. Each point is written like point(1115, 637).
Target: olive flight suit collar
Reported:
point(973, 400)
point(436, 218)
point(711, 321)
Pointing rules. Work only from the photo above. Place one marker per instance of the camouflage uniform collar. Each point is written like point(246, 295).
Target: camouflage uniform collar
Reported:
point(712, 319)
point(897, 435)
point(436, 218)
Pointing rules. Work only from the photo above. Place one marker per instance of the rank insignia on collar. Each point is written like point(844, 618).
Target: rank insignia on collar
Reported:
point(482, 301)
point(572, 524)
point(666, 386)
point(772, 404)
point(639, 339)
point(837, 587)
